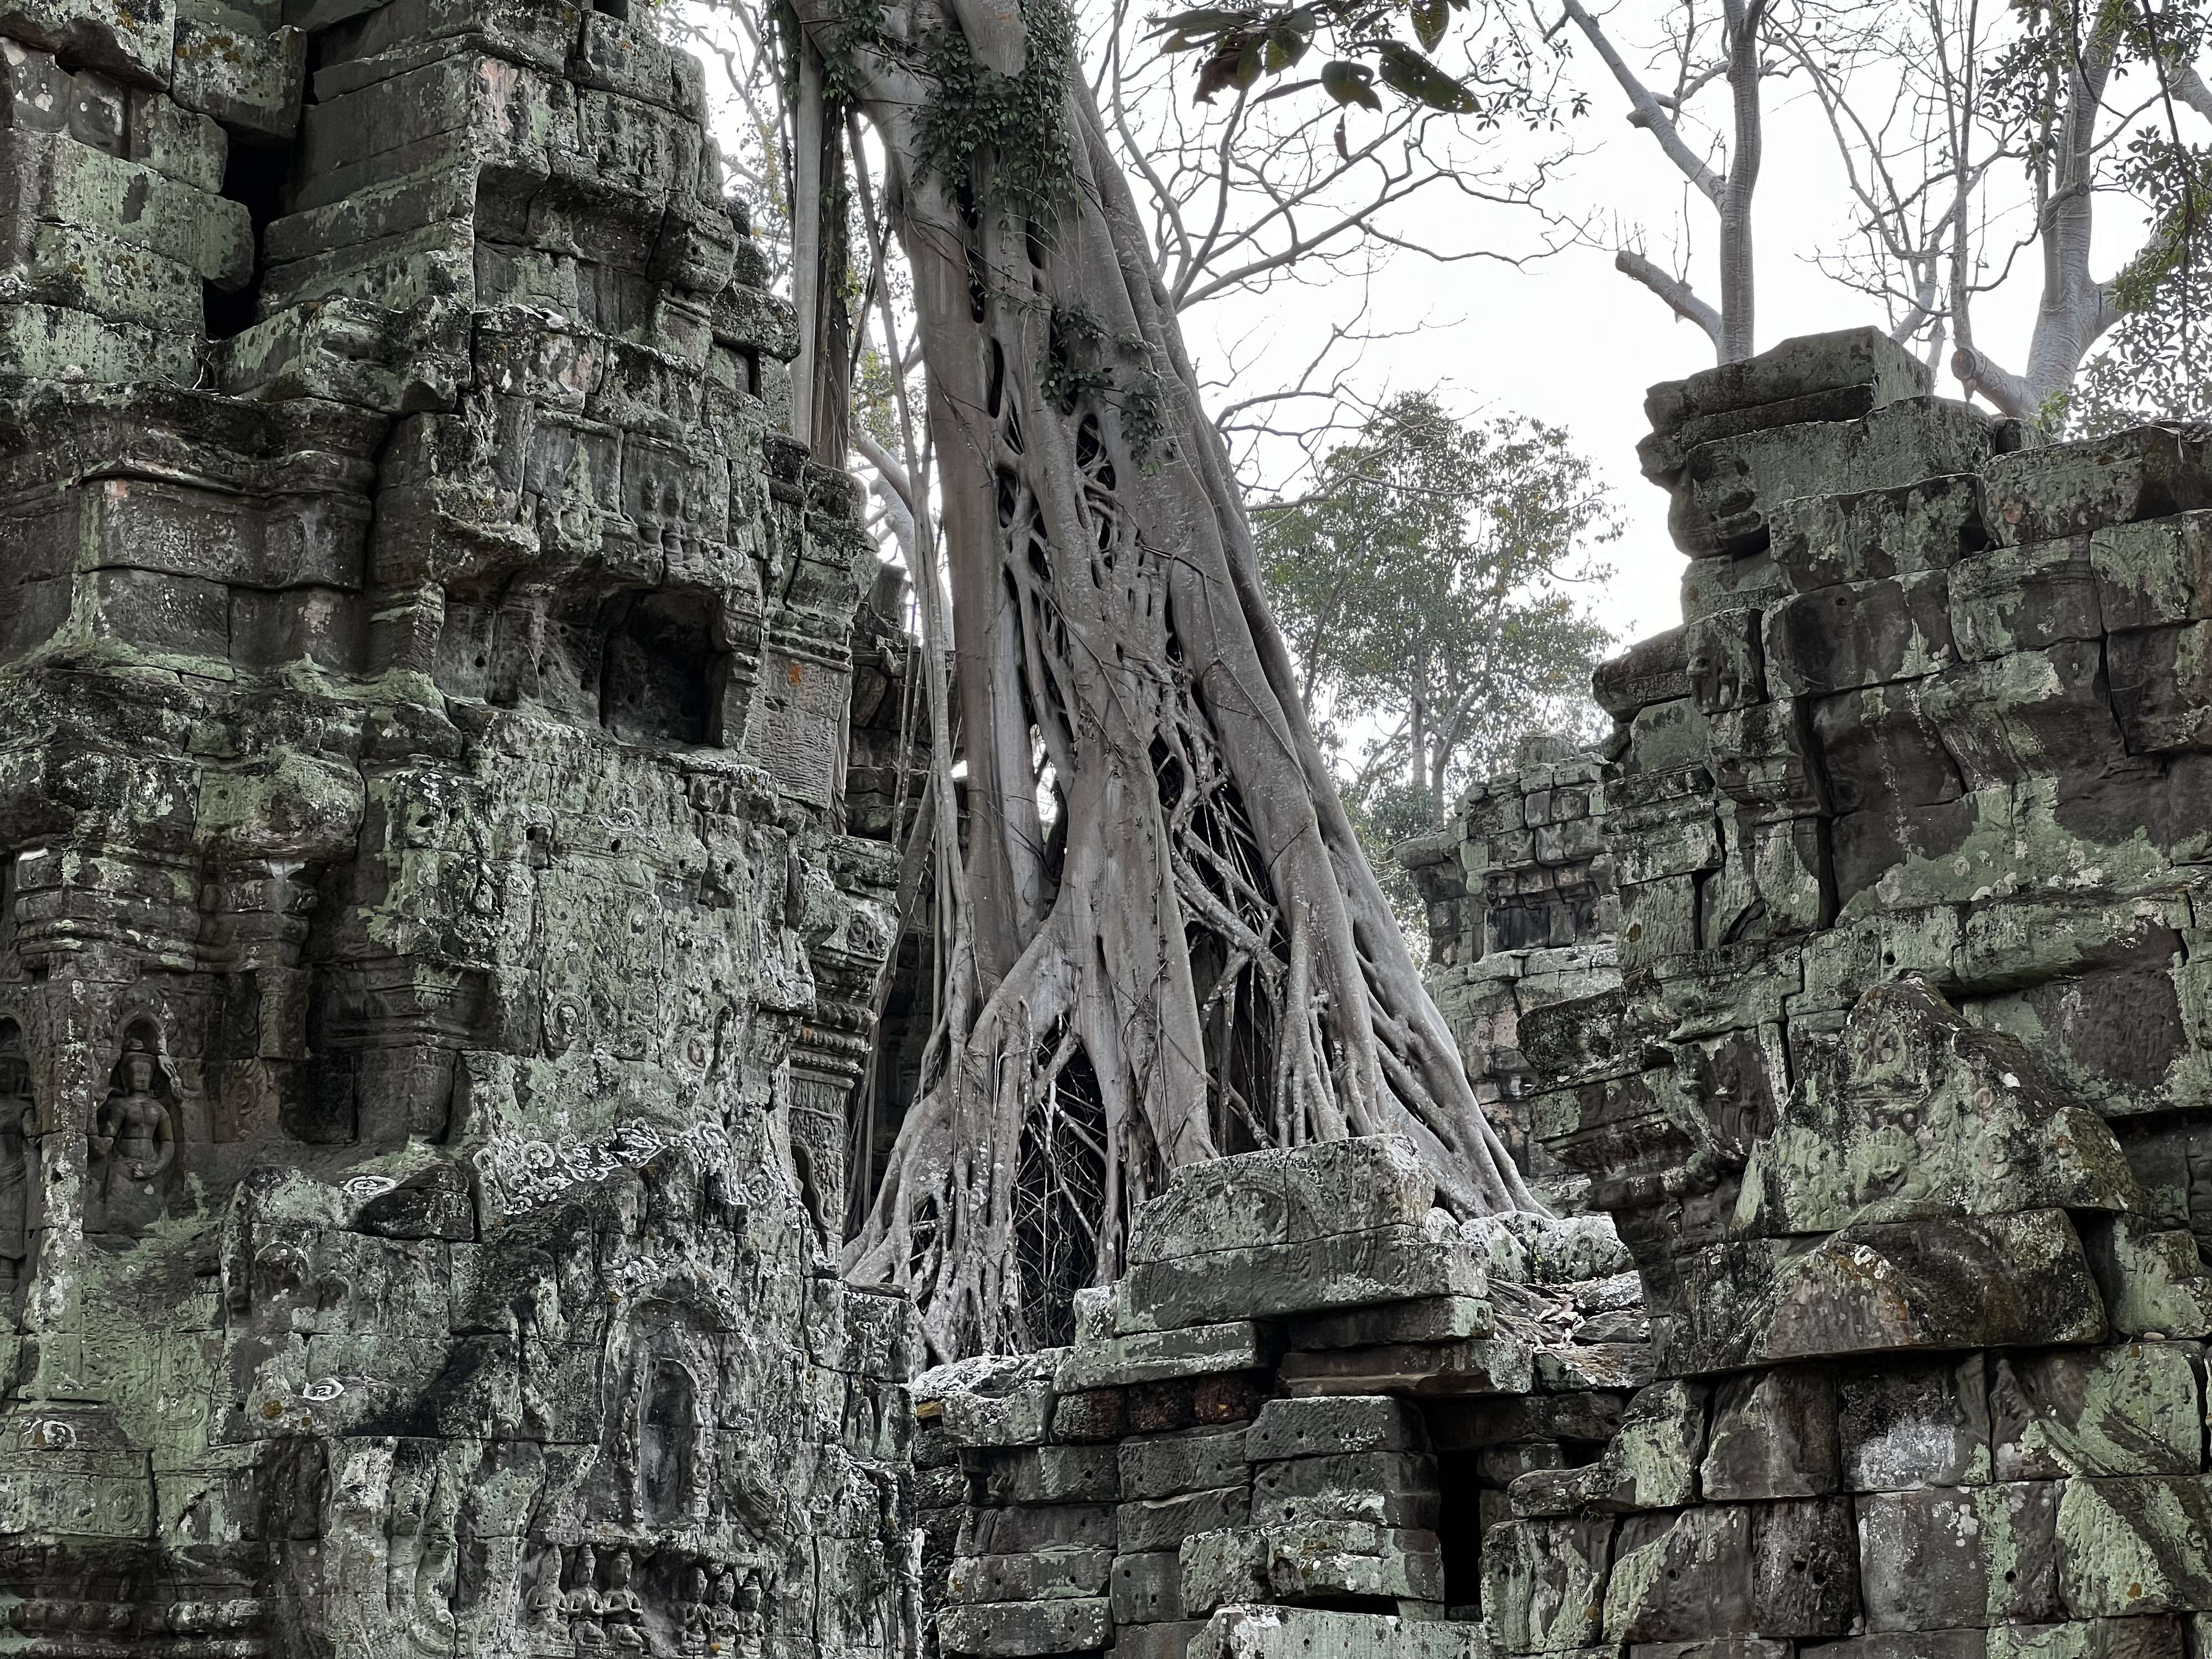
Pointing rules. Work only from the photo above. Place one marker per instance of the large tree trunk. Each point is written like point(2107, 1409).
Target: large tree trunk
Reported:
point(1193, 956)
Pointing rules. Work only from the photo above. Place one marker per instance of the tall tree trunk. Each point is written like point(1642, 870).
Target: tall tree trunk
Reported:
point(1206, 960)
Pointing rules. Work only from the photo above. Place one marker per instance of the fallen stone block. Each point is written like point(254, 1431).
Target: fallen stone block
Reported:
point(2135, 1545)
point(1272, 1632)
point(1155, 1356)
point(1038, 1576)
point(1773, 1436)
point(1492, 1365)
point(1600, 1365)
point(1938, 1558)
point(2135, 1409)
point(1023, 1630)
point(1195, 1460)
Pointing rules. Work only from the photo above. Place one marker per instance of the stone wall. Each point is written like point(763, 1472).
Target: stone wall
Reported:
point(432, 966)
point(1896, 1107)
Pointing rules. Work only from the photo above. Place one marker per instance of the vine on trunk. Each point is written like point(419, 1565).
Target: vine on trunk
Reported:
point(1166, 943)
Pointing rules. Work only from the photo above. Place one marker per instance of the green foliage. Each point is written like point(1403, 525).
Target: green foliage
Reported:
point(1019, 123)
point(1075, 362)
point(1243, 43)
point(2157, 362)
point(1424, 589)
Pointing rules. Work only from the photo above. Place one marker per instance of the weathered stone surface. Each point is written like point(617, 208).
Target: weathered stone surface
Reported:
point(1488, 1365)
point(1197, 1460)
point(1041, 1576)
point(2137, 1545)
point(2089, 1638)
point(1340, 1269)
point(1543, 1584)
point(1773, 1436)
point(1161, 1523)
point(1391, 1489)
point(1318, 1559)
point(1268, 1633)
point(1432, 1319)
point(1154, 1356)
point(1278, 1198)
point(1018, 1630)
point(1334, 1426)
point(1050, 1474)
point(1147, 1588)
point(2131, 1410)
point(1217, 1568)
point(1923, 1423)
point(1942, 1557)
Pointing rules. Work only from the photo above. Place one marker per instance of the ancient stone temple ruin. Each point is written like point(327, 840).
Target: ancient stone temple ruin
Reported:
point(432, 966)
point(450, 774)
point(1855, 1004)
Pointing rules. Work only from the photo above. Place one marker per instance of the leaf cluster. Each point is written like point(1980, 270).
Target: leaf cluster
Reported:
point(1017, 122)
point(1242, 44)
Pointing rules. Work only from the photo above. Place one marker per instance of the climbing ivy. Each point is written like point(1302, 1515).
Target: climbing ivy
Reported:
point(1019, 121)
point(1074, 361)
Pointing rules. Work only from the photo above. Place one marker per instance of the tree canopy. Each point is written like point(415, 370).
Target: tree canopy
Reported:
point(1430, 590)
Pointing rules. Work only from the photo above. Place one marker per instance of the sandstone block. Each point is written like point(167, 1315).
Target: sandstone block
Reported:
point(1769, 385)
point(1272, 1632)
point(1917, 1644)
point(1082, 1418)
point(1334, 1426)
point(2155, 572)
point(1157, 1641)
point(1155, 1356)
point(1030, 1529)
point(1820, 541)
point(2072, 488)
point(1925, 1422)
point(1489, 1365)
point(2134, 1409)
point(1676, 1578)
point(1328, 1559)
point(2135, 1545)
point(1217, 1568)
point(1937, 1559)
point(1990, 1281)
point(1773, 1436)
point(1039, 1577)
point(1147, 1588)
point(1391, 1489)
point(1429, 1319)
point(1861, 633)
point(246, 81)
point(1284, 1198)
point(1343, 1269)
point(1162, 1465)
point(1161, 1523)
point(1050, 1474)
point(1543, 1584)
point(2089, 1638)
point(1021, 1629)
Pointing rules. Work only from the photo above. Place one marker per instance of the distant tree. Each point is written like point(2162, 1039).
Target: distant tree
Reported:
point(1425, 591)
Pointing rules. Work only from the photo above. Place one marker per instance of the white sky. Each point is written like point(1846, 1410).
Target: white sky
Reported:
point(1570, 341)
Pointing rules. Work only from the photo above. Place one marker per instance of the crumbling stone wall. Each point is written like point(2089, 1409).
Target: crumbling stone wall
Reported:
point(433, 968)
point(1896, 1107)
point(1522, 914)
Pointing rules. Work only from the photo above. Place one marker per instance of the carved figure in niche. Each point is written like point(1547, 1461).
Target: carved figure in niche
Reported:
point(583, 1606)
point(698, 1616)
point(543, 1612)
point(18, 1156)
point(722, 1616)
point(133, 1143)
point(625, 1612)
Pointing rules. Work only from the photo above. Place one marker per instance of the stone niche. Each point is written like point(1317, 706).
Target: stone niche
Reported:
point(432, 958)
